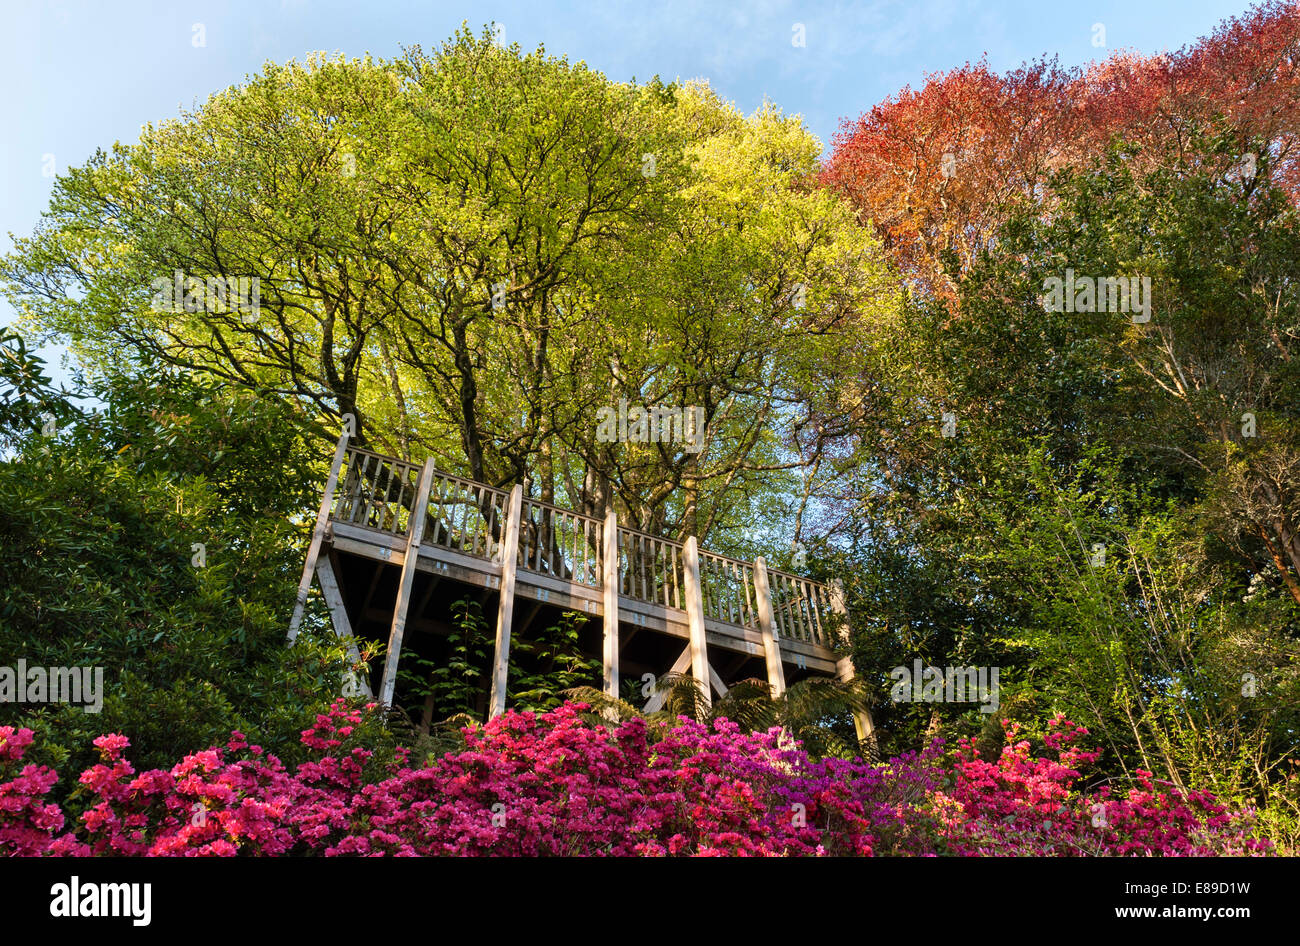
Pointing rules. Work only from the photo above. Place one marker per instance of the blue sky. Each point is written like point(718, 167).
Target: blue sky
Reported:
point(82, 75)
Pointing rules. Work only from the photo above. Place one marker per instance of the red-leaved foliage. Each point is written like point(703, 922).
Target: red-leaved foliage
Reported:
point(1004, 134)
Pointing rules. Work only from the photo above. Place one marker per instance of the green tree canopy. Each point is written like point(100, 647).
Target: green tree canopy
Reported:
point(473, 251)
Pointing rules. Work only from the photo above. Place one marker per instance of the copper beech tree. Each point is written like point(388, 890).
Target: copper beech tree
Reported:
point(936, 170)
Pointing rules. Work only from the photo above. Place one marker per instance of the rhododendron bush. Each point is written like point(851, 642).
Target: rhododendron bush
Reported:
point(565, 784)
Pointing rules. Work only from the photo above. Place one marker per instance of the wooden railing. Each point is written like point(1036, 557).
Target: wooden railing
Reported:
point(465, 516)
point(555, 541)
point(728, 589)
point(802, 609)
point(378, 492)
point(650, 569)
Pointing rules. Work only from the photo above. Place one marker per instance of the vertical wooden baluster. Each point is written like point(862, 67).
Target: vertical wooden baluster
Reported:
point(777, 609)
point(539, 540)
point(377, 478)
point(574, 538)
point(791, 604)
point(497, 528)
point(373, 517)
point(814, 606)
point(398, 504)
point(467, 498)
point(623, 586)
point(647, 568)
point(399, 473)
point(661, 594)
point(624, 563)
point(559, 547)
point(401, 496)
point(796, 609)
point(359, 498)
point(451, 504)
point(528, 551)
point(355, 494)
point(473, 515)
point(709, 592)
point(629, 564)
point(521, 552)
point(724, 599)
point(733, 599)
point(706, 587)
point(543, 537)
point(668, 578)
point(724, 590)
point(389, 511)
point(738, 608)
point(580, 548)
point(534, 522)
point(640, 561)
point(439, 524)
point(586, 531)
point(529, 522)
point(677, 580)
point(482, 498)
point(814, 630)
point(466, 501)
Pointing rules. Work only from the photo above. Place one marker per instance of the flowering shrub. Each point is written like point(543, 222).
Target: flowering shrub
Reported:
point(1023, 805)
point(556, 784)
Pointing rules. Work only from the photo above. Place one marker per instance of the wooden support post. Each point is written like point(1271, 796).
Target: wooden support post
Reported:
point(414, 535)
point(695, 617)
point(318, 535)
point(767, 627)
point(657, 698)
point(862, 720)
point(329, 588)
point(505, 610)
point(609, 592)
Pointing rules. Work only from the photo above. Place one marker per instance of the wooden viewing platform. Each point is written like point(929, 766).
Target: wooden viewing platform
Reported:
point(395, 540)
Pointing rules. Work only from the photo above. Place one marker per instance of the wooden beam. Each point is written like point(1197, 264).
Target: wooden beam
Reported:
point(695, 617)
point(863, 722)
point(329, 588)
point(505, 610)
point(656, 701)
point(414, 535)
point(766, 626)
point(609, 594)
point(318, 535)
point(717, 682)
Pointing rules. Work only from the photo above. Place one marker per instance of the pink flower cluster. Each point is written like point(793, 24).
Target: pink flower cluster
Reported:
point(556, 784)
point(1024, 805)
